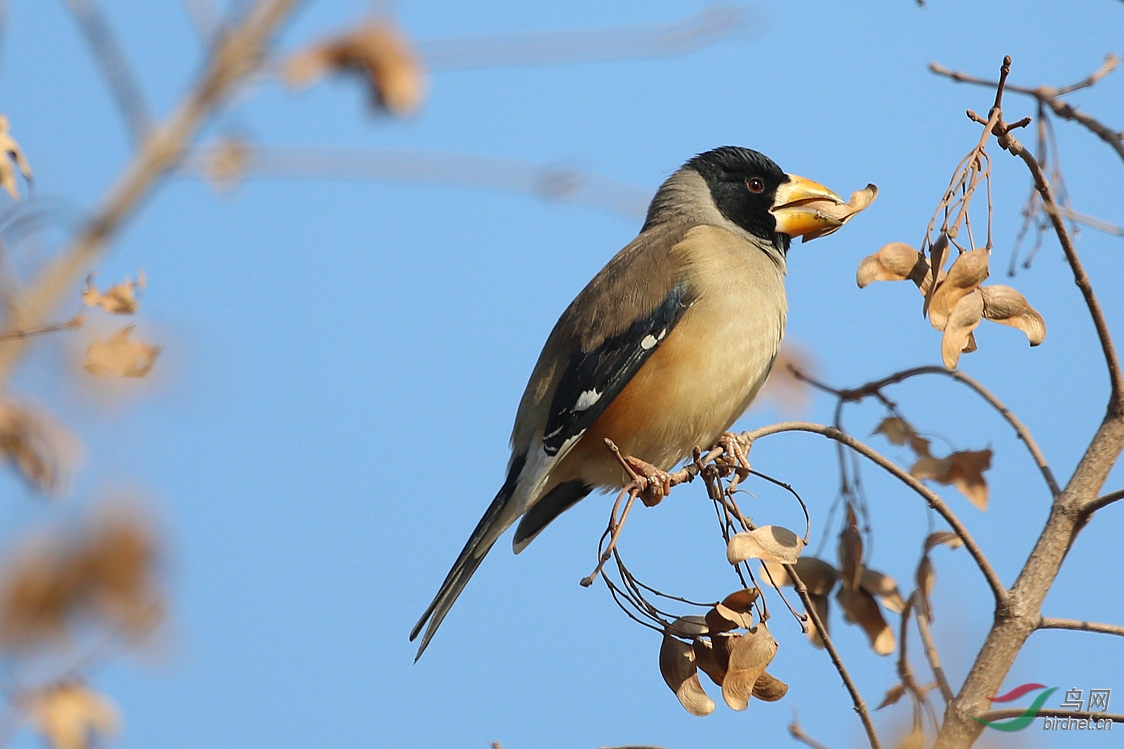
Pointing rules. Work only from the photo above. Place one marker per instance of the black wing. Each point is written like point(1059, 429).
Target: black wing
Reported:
point(592, 379)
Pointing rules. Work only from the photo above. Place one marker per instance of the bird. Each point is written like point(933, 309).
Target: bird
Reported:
point(661, 352)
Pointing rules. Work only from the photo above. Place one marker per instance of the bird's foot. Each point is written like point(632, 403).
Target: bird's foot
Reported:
point(736, 458)
point(654, 483)
point(649, 483)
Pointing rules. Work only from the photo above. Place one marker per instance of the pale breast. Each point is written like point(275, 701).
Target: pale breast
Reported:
point(707, 371)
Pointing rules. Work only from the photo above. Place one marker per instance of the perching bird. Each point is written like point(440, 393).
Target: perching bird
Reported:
point(661, 352)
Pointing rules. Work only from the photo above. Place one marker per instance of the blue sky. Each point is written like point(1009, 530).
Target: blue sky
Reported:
point(342, 359)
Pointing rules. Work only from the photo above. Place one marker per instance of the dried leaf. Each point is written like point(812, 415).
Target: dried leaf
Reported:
point(677, 664)
point(120, 560)
point(948, 538)
point(689, 626)
point(226, 162)
point(966, 274)
point(919, 445)
point(12, 153)
point(40, 448)
point(39, 588)
point(884, 587)
point(925, 577)
point(769, 688)
point(105, 572)
point(915, 739)
point(938, 253)
point(783, 388)
point(377, 51)
point(896, 261)
point(966, 473)
point(120, 299)
point(928, 467)
point(735, 611)
point(769, 542)
point(896, 429)
point(859, 607)
point(815, 636)
point(712, 656)
point(121, 356)
point(893, 694)
point(818, 576)
point(69, 715)
point(958, 328)
point(750, 655)
point(1005, 305)
point(850, 550)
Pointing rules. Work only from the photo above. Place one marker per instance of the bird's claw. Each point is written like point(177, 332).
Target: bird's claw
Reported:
point(735, 458)
point(654, 484)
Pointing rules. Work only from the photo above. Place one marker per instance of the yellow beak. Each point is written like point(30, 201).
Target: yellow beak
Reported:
point(799, 209)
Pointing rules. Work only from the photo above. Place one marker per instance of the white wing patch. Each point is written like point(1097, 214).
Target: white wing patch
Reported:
point(588, 398)
point(650, 341)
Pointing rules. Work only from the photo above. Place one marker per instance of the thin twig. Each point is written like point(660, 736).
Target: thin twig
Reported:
point(1116, 377)
point(555, 182)
point(585, 45)
point(74, 322)
point(931, 498)
point(796, 732)
point(932, 654)
point(1050, 622)
point(1051, 97)
point(836, 660)
point(874, 388)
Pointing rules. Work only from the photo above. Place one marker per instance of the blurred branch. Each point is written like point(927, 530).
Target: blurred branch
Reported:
point(587, 45)
point(111, 59)
point(1090, 221)
point(797, 733)
point(238, 54)
point(74, 322)
point(225, 163)
point(932, 498)
point(1050, 622)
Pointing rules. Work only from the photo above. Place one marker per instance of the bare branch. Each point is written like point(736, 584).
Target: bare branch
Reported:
point(1050, 97)
point(1049, 712)
point(836, 660)
point(797, 733)
point(74, 322)
point(932, 498)
point(931, 653)
point(234, 58)
point(1116, 377)
point(874, 389)
point(1106, 499)
point(1050, 622)
point(551, 182)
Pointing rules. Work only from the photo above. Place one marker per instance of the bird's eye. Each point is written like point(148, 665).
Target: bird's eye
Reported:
point(755, 184)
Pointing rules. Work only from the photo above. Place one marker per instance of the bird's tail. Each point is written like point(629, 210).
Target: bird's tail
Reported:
point(498, 518)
